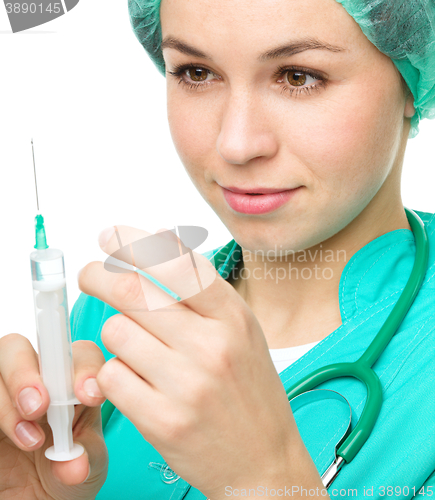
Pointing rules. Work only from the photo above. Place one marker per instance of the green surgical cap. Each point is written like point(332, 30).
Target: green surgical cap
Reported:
point(404, 30)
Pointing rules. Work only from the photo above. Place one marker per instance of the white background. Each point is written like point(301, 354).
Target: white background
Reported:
point(95, 105)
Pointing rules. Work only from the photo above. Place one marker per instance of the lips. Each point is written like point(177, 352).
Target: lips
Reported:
point(251, 203)
point(258, 190)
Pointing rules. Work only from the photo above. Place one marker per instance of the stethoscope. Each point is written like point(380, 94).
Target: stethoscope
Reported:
point(302, 393)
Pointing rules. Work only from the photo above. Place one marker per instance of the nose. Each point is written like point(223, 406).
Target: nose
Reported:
point(246, 131)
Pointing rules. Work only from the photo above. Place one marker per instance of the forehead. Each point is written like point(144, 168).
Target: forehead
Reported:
point(248, 25)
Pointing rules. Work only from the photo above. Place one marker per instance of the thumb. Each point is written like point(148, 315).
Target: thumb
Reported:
point(91, 467)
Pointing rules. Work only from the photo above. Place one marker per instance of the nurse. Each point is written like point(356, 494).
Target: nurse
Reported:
point(288, 96)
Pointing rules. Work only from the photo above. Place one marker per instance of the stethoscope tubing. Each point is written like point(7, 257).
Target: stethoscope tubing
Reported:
point(362, 368)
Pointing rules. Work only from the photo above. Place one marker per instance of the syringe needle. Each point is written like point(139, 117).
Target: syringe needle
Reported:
point(34, 169)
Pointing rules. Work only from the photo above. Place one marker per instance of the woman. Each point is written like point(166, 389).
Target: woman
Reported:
point(316, 269)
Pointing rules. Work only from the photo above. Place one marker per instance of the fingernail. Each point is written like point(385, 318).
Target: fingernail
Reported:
point(27, 433)
point(29, 400)
point(105, 236)
point(91, 388)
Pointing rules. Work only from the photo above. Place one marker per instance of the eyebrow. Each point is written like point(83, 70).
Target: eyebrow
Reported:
point(285, 50)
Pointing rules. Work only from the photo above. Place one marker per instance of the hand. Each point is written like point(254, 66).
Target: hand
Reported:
point(195, 377)
point(25, 472)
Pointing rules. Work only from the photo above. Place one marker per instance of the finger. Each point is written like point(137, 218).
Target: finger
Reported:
point(146, 355)
point(88, 360)
point(72, 472)
point(19, 369)
point(188, 274)
point(131, 395)
point(88, 433)
point(125, 293)
point(153, 295)
point(28, 436)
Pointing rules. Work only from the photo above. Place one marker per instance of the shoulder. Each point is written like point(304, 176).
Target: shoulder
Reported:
point(428, 219)
point(410, 352)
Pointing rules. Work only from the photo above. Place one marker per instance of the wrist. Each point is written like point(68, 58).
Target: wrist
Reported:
point(294, 476)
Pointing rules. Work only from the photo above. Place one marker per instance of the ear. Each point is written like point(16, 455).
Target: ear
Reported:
point(409, 111)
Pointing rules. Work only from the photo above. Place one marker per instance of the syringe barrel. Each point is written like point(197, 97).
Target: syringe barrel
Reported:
point(53, 325)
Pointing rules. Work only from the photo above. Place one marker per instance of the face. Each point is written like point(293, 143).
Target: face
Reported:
point(329, 120)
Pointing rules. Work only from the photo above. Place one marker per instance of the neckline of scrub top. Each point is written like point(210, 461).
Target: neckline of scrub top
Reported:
point(290, 352)
point(361, 285)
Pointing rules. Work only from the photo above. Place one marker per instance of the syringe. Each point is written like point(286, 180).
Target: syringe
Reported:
point(54, 341)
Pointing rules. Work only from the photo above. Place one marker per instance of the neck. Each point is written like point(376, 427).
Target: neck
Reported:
point(295, 297)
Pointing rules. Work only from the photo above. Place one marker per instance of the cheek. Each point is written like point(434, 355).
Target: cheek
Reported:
point(349, 144)
point(192, 130)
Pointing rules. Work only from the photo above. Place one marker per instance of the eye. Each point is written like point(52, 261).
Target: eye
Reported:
point(192, 76)
point(197, 74)
point(299, 78)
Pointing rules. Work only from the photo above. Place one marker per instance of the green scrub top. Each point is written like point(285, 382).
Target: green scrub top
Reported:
point(399, 456)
